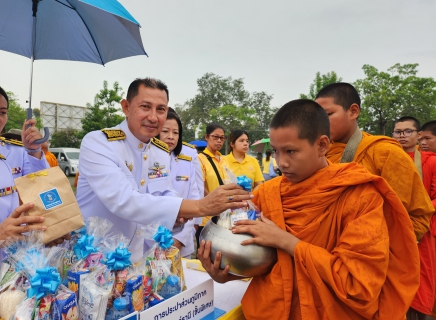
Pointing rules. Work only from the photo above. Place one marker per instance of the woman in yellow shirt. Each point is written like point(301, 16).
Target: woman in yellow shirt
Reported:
point(239, 162)
point(211, 161)
point(266, 165)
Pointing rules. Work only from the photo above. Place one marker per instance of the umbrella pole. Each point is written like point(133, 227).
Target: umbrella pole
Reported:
point(32, 58)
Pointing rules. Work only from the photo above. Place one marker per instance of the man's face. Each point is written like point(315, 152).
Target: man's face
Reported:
point(427, 141)
point(296, 158)
point(401, 134)
point(146, 113)
point(3, 112)
point(341, 121)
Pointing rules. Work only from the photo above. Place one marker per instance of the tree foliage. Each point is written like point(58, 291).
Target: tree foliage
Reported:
point(225, 101)
point(68, 138)
point(387, 96)
point(16, 114)
point(320, 82)
point(103, 113)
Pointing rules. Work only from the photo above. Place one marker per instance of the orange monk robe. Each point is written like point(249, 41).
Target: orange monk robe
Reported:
point(384, 157)
point(424, 299)
point(357, 258)
point(51, 159)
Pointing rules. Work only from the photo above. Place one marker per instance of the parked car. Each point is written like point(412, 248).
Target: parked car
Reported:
point(68, 159)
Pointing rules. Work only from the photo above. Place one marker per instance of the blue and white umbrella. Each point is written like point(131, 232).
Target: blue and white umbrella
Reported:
point(96, 31)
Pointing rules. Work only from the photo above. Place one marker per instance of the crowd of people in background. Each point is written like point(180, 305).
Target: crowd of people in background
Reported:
point(322, 182)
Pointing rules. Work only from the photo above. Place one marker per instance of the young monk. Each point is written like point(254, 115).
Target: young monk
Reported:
point(406, 132)
point(345, 245)
point(380, 155)
point(427, 140)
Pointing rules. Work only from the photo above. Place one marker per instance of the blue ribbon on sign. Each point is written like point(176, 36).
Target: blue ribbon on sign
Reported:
point(163, 237)
point(45, 281)
point(244, 182)
point(118, 259)
point(84, 246)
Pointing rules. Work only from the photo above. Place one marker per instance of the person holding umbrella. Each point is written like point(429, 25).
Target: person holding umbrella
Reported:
point(17, 159)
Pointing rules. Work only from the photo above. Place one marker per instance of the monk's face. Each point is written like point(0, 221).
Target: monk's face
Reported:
point(342, 123)
point(297, 158)
point(427, 141)
point(406, 134)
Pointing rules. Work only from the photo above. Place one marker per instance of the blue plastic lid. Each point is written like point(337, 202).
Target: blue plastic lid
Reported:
point(120, 303)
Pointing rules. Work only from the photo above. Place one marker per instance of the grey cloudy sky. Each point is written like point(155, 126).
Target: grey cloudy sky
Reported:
point(277, 46)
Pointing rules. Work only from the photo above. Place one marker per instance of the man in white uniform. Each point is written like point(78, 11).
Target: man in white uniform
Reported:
point(124, 171)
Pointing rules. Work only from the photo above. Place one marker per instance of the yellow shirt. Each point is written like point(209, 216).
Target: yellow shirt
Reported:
point(249, 167)
point(265, 164)
point(209, 175)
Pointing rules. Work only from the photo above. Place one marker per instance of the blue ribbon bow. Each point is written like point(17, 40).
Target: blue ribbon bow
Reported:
point(84, 246)
point(45, 281)
point(118, 259)
point(244, 182)
point(163, 237)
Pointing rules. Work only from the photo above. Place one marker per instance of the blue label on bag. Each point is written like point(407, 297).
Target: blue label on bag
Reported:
point(50, 198)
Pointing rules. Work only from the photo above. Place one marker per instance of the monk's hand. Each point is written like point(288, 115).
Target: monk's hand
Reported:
point(266, 233)
point(213, 268)
point(29, 136)
point(16, 224)
point(228, 196)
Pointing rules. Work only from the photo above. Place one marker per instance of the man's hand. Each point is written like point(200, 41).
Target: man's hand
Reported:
point(229, 196)
point(218, 275)
point(177, 244)
point(12, 226)
point(58, 240)
point(29, 136)
point(267, 234)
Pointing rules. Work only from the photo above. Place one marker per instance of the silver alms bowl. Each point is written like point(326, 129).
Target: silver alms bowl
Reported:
point(248, 261)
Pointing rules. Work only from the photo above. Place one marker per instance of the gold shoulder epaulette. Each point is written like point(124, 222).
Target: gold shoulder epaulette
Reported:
point(114, 134)
point(2, 157)
point(189, 145)
point(183, 157)
point(12, 141)
point(160, 144)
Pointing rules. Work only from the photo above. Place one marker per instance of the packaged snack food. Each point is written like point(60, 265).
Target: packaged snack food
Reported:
point(65, 305)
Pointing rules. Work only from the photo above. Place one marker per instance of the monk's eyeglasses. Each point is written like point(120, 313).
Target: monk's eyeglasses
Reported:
point(406, 133)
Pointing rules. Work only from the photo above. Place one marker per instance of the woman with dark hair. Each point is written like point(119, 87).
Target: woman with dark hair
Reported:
point(239, 162)
point(184, 165)
point(266, 165)
point(212, 161)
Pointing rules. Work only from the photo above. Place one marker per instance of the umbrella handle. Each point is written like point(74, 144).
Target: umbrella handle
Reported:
point(46, 130)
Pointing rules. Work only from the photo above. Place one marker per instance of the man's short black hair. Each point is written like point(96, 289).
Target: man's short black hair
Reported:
point(4, 94)
point(306, 115)
point(415, 121)
point(429, 126)
point(343, 94)
point(147, 82)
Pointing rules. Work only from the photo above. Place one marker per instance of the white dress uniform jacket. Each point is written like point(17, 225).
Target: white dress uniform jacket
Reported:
point(123, 180)
point(184, 181)
point(17, 163)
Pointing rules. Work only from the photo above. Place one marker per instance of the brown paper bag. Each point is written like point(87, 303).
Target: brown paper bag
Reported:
point(54, 199)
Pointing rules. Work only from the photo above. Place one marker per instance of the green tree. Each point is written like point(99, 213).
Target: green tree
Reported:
point(16, 114)
point(103, 113)
point(37, 114)
point(68, 138)
point(387, 96)
point(320, 82)
point(217, 94)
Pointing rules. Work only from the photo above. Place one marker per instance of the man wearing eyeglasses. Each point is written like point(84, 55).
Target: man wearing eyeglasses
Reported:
point(407, 132)
point(380, 155)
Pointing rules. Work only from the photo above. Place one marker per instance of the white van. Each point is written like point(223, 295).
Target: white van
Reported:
point(68, 159)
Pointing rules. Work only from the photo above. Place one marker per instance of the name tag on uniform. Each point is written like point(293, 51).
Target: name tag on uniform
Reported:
point(16, 170)
point(182, 178)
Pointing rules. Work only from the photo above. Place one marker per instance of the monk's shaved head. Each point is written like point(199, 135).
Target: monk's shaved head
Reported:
point(430, 126)
point(306, 115)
